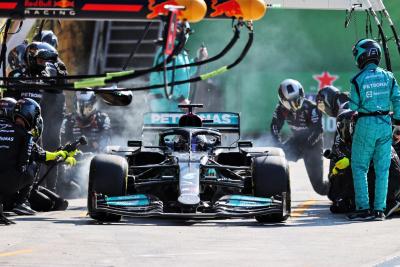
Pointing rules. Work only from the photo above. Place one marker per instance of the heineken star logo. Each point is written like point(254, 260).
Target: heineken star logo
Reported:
point(325, 79)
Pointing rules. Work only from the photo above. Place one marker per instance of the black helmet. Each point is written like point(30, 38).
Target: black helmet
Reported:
point(367, 51)
point(28, 110)
point(46, 37)
point(38, 129)
point(16, 57)
point(85, 104)
point(327, 100)
point(345, 123)
point(38, 54)
point(7, 105)
point(291, 94)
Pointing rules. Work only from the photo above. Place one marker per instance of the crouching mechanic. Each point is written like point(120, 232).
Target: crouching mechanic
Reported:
point(16, 150)
point(305, 121)
point(373, 89)
point(342, 190)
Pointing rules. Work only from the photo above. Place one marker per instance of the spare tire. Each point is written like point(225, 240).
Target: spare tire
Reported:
point(108, 176)
point(271, 179)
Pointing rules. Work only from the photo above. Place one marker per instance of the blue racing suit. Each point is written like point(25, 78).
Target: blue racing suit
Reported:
point(158, 100)
point(372, 90)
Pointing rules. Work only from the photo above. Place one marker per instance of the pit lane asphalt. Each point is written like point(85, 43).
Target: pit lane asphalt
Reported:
point(312, 237)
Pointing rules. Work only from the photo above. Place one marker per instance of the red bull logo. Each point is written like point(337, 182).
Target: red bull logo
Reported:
point(158, 8)
point(229, 8)
point(64, 3)
point(49, 3)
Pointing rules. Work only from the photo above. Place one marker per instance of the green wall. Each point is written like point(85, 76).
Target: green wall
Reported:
point(294, 44)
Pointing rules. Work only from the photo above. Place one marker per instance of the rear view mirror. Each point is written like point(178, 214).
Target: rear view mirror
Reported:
point(116, 98)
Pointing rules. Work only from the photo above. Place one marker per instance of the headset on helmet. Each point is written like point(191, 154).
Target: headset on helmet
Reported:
point(7, 105)
point(16, 57)
point(38, 54)
point(85, 104)
point(345, 123)
point(367, 51)
point(29, 111)
point(291, 94)
point(46, 37)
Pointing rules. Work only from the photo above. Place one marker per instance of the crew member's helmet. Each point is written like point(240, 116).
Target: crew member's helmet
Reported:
point(38, 54)
point(345, 123)
point(367, 51)
point(46, 37)
point(85, 104)
point(7, 105)
point(327, 100)
point(29, 111)
point(291, 94)
point(16, 57)
point(38, 129)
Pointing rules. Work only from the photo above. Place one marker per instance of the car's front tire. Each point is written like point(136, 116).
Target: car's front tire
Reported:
point(271, 179)
point(108, 176)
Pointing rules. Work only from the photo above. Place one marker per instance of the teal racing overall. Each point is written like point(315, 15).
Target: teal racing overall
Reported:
point(158, 100)
point(372, 91)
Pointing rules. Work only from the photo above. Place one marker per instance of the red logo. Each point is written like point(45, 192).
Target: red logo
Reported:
point(325, 79)
point(38, 3)
point(50, 3)
point(230, 8)
point(64, 3)
point(159, 8)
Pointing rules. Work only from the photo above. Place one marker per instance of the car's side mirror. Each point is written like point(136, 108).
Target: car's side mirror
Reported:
point(245, 144)
point(134, 143)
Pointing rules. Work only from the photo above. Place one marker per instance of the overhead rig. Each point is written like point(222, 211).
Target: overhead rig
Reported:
point(242, 12)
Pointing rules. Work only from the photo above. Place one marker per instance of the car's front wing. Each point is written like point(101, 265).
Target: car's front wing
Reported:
point(230, 206)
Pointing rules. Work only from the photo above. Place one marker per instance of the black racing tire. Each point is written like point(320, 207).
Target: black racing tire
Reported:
point(108, 176)
point(271, 179)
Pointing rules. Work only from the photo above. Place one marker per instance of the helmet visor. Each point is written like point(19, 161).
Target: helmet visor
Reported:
point(85, 109)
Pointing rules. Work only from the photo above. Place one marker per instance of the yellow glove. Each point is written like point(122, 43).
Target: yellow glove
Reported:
point(70, 161)
point(54, 155)
point(343, 163)
point(73, 153)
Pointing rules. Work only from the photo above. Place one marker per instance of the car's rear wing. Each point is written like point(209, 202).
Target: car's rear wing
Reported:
point(227, 122)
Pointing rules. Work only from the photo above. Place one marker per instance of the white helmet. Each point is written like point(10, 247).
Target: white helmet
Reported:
point(85, 104)
point(291, 94)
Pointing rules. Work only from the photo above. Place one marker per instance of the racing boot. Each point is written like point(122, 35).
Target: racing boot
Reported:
point(23, 209)
point(361, 215)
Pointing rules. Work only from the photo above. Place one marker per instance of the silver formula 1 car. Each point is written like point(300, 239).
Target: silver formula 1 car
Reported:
point(190, 173)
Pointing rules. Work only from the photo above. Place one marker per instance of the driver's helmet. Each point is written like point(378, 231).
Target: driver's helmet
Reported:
point(199, 143)
point(345, 123)
point(180, 143)
point(85, 104)
point(291, 94)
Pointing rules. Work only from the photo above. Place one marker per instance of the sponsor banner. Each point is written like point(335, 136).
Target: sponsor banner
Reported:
point(113, 9)
point(219, 119)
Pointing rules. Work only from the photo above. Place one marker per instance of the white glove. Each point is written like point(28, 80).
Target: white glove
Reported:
point(202, 53)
